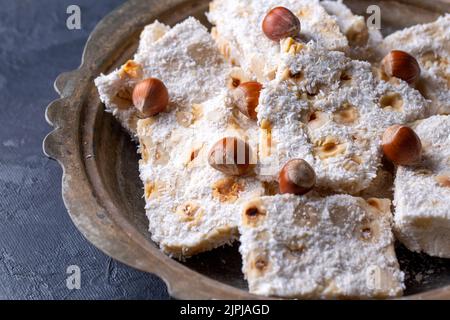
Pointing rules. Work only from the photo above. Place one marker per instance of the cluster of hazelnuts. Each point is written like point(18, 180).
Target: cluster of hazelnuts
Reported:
point(232, 156)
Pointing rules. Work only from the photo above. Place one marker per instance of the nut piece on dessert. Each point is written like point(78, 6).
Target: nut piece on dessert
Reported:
point(290, 244)
point(150, 97)
point(401, 145)
point(189, 47)
point(231, 156)
point(246, 98)
point(297, 177)
point(401, 65)
point(422, 192)
point(280, 23)
point(192, 207)
point(429, 44)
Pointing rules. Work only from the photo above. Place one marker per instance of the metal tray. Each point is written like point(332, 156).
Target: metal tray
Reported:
point(101, 186)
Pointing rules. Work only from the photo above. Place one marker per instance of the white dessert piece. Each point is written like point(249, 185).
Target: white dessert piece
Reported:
point(238, 31)
point(330, 111)
point(363, 41)
point(184, 57)
point(382, 186)
point(191, 207)
point(430, 45)
point(310, 247)
point(422, 192)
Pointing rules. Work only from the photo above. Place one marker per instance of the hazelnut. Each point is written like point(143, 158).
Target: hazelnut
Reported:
point(150, 97)
point(297, 177)
point(401, 145)
point(401, 65)
point(231, 156)
point(280, 23)
point(246, 98)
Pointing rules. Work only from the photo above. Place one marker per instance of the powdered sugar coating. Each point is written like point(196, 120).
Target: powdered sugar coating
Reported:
point(185, 58)
point(308, 247)
point(191, 207)
point(430, 45)
point(239, 33)
point(422, 192)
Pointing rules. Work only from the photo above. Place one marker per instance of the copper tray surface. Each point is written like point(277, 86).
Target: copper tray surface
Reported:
point(101, 186)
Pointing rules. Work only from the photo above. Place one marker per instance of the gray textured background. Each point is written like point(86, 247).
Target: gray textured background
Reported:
point(37, 239)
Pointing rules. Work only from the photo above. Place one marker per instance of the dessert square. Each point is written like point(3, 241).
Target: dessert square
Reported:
point(238, 31)
point(192, 207)
point(422, 192)
point(430, 45)
point(310, 247)
point(184, 57)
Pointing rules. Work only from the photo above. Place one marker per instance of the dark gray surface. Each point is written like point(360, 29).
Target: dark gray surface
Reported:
point(37, 239)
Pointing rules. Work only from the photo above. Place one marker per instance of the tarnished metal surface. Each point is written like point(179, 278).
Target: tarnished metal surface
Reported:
point(101, 187)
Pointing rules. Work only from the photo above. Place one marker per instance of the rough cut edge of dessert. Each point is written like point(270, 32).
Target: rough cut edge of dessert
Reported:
point(310, 247)
point(192, 207)
point(422, 192)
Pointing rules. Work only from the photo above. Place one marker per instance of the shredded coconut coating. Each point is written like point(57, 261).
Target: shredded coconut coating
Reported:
point(185, 58)
point(430, 45)
point(363, 42)
point(422, 192)
point(310, 247)
point(192, 207)
point(238, 31)
point(380, 187)
point(331, 111)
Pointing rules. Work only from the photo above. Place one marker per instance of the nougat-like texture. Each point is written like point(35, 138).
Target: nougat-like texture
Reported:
point(422, 192)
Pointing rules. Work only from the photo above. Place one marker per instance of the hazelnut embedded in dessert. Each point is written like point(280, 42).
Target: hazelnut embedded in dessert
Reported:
point(401, 145)
point(150, 97)
point(280, 23)
point(231, 156)
point(401, 65)
point(246, 98)
point(297, 177)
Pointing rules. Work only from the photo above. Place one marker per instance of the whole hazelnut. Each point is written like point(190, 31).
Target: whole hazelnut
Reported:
point(401, 145)
point(401, 65)
point(297, 177)
point(231, 156)
point(280, 23)
point(150, 97)
point(246, 98)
